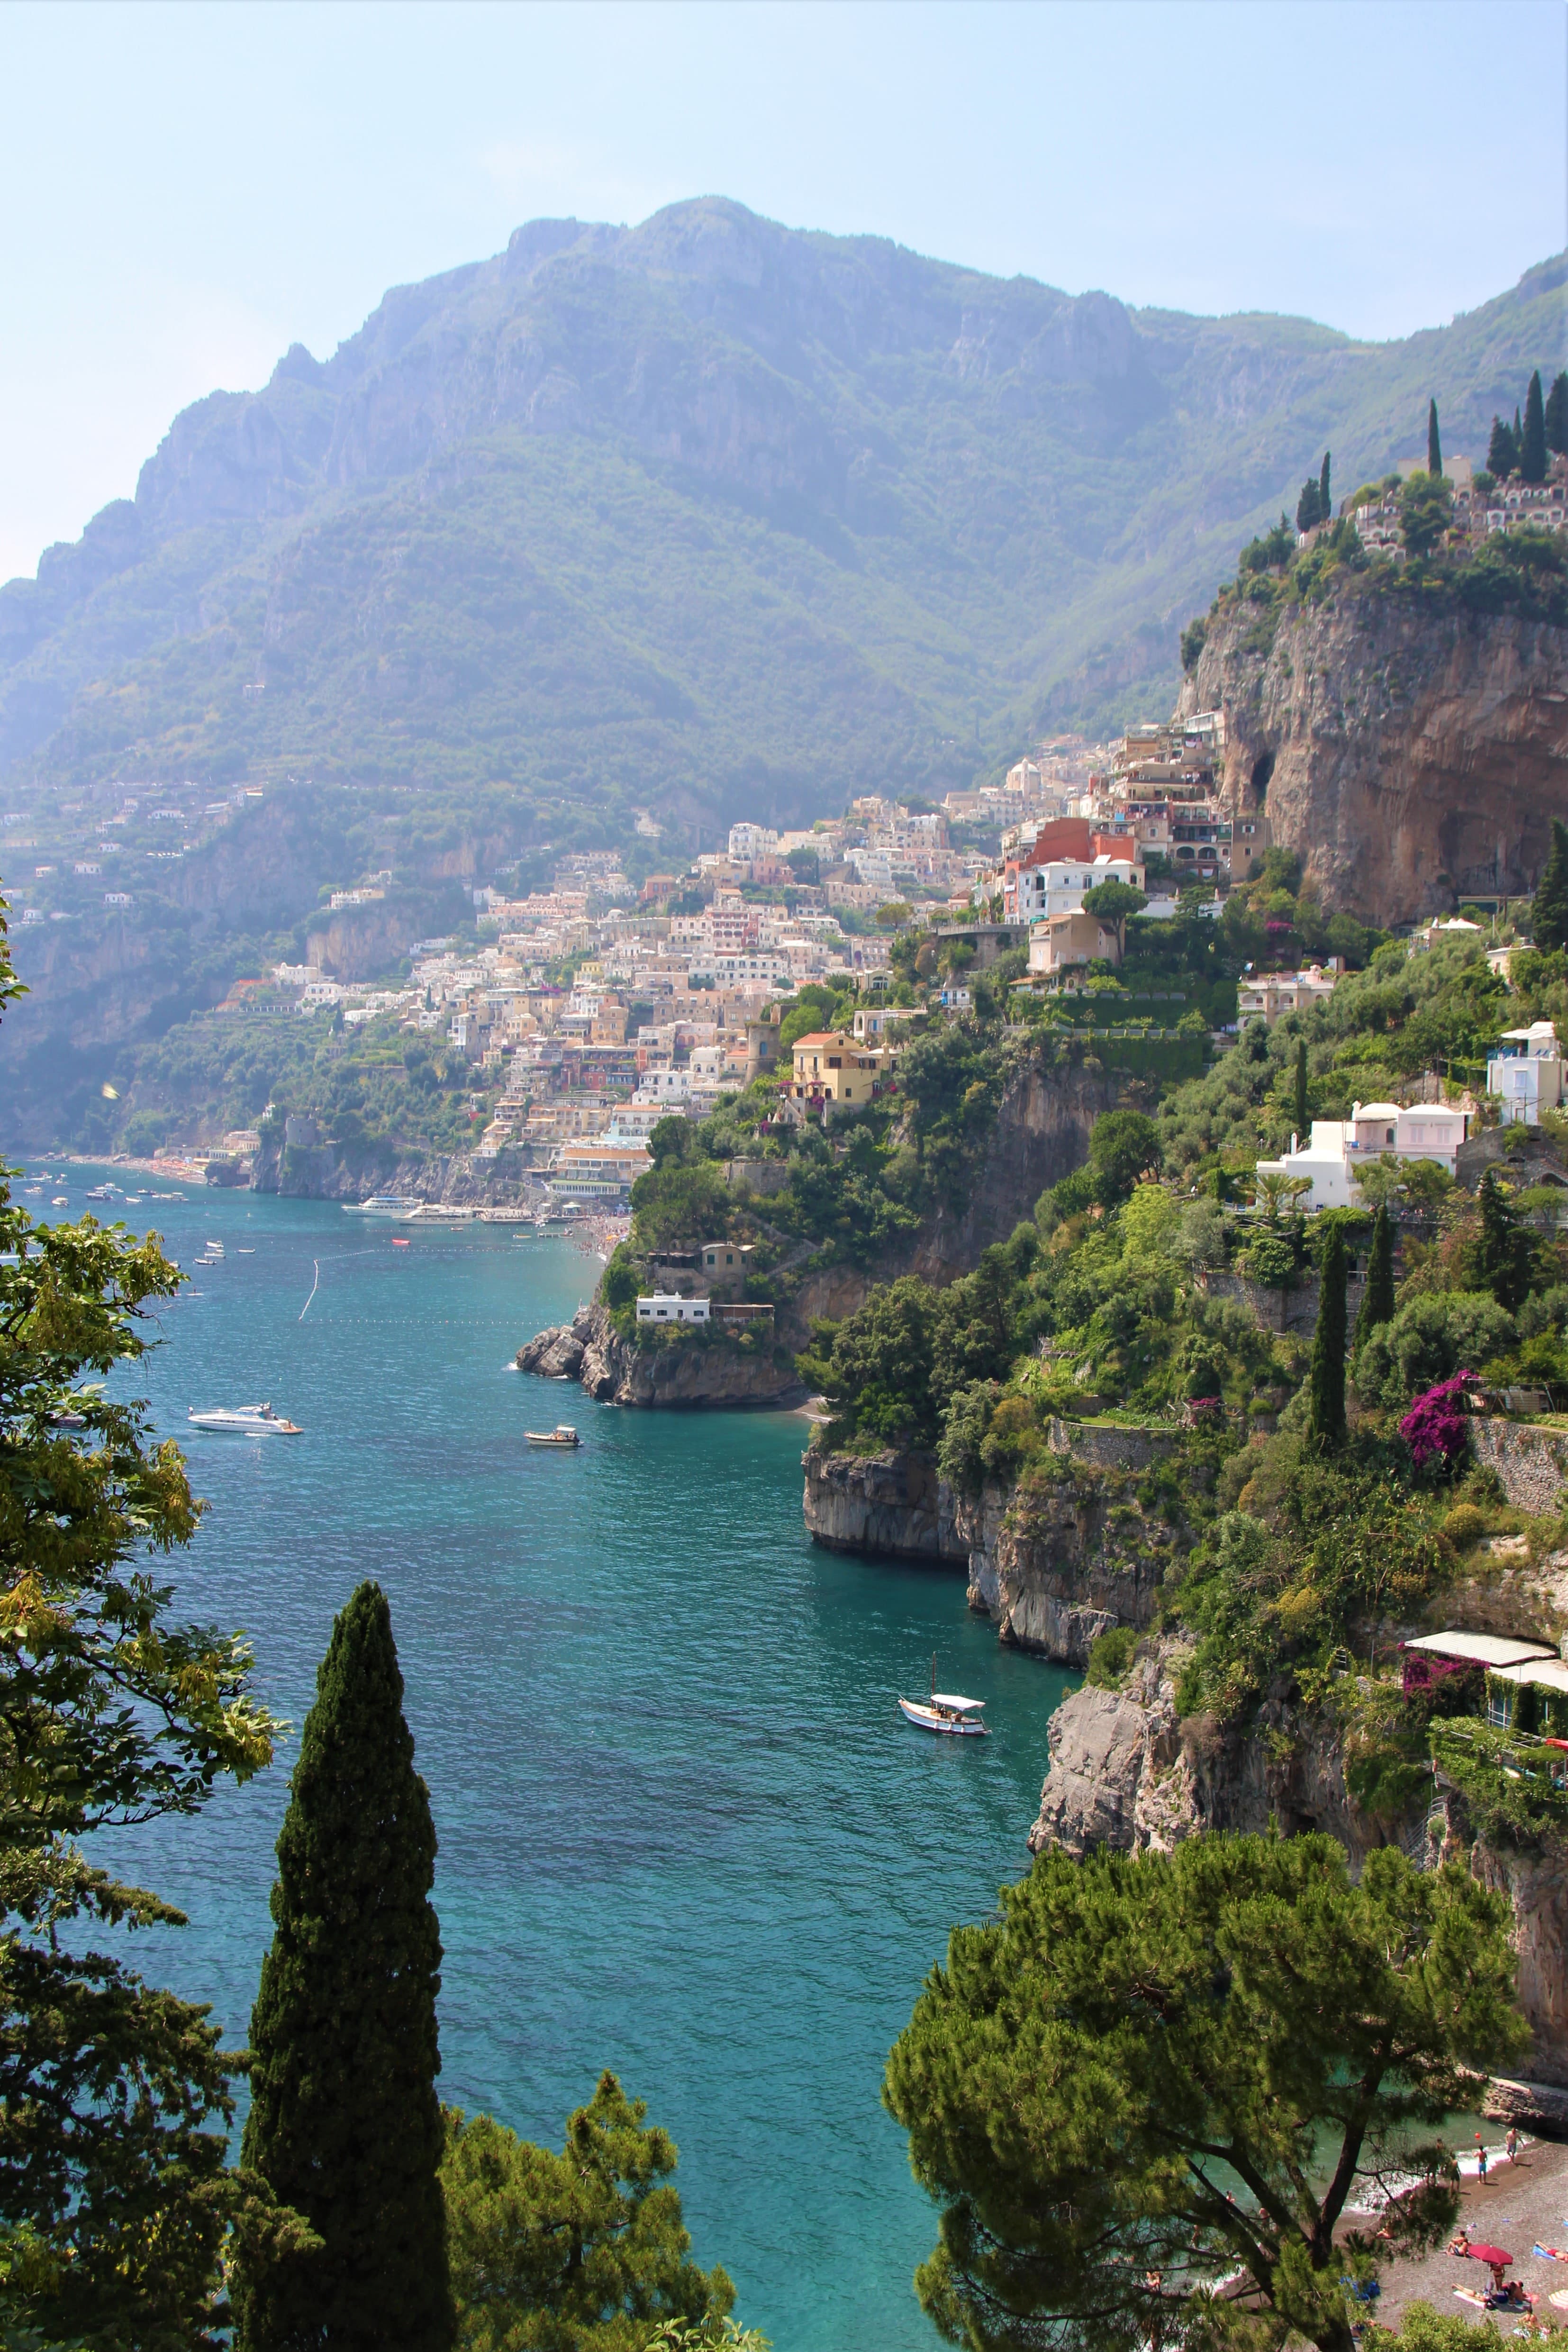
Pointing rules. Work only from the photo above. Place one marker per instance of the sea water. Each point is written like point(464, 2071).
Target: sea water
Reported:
point(685, 1832)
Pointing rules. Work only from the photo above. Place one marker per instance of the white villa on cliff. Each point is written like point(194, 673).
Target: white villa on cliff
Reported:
point(1337, 1146)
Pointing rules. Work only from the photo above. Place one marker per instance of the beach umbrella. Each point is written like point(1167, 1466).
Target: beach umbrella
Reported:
point(1493, 2255)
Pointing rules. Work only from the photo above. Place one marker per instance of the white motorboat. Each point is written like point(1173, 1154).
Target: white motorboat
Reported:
point(383, 1204)
point(562, 1434)
point(243, 1421)
point(945, 1712)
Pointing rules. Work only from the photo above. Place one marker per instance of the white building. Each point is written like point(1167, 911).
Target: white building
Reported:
point(1338, 1147)
point(749, 841)
point(1527, 1072)
point(669, 1088)
point(669, 1307)
point(1059, 886)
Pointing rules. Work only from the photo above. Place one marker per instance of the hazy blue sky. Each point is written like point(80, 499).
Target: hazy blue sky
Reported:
point(186, 190)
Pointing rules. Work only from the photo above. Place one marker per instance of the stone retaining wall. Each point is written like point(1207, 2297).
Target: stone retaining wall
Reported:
point(1532, 1464)
point(1110, 1446)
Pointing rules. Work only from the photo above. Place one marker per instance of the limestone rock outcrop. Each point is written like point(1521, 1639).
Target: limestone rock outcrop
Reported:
point(720, 1372)
point(1412, 751)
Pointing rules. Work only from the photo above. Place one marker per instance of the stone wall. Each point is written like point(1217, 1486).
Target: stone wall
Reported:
point(1532, 1464)
point(1109, 1445)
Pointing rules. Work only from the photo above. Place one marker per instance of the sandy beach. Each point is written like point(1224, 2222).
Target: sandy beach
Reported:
point(1519, 2206)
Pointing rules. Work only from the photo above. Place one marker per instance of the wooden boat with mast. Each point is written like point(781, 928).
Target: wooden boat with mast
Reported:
point(945, 1712)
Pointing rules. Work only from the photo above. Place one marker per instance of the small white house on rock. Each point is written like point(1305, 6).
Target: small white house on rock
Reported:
point(1337, 1146)
point(1526, 1072)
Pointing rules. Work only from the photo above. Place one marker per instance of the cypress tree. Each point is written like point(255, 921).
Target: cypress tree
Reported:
point(1557, 414)
point(1532, 442)
point(1549, 919)
point(1307, 508)
point(1325, 502)
point(1377, 1298)
point(344, 2120)
point(1501, 454)
point(1325, 1420)
point(1302, 1129)
point(1504, 1253)
point(1434, 444)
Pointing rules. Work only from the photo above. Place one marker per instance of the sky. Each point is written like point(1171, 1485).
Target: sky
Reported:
point(186, 190)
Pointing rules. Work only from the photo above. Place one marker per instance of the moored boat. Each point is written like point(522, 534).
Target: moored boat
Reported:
point(383, 1204)
point(562, 1434)
point(243, 1421)
point(946, 1712)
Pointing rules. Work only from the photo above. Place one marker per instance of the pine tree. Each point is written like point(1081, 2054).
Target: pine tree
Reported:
point(1434, 444)
point(1532, 443)
point(1377, 1298)
point(1300, 1101)
point(1325, 1420)
point(1325, 500)
point(1557, 414)
point(1503, 457)
point(1549, 914)
point(344, 2120)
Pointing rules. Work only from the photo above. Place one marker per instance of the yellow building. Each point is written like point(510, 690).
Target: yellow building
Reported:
point(832, 1067)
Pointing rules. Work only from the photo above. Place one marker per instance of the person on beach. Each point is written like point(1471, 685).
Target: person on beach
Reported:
point(1510, 2144)
point(1480, 2159)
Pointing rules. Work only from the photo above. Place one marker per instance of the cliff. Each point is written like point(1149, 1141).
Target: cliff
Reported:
point(1056, 1560)
point(301, 1164)
point(717, 1372)
point(1412, 751)
point(1043, 1124)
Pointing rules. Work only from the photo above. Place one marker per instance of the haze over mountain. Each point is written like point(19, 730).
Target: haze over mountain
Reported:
point(709, 516)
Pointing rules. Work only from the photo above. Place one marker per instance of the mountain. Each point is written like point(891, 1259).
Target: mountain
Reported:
point(708, 516)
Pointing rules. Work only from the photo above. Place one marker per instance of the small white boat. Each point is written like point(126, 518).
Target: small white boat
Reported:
point(945, 1712)
point(382, 1204)
point(243, 1421)
point(562, 1434)
point(101, 1192)
point(247, 1253)
point(61, 1201)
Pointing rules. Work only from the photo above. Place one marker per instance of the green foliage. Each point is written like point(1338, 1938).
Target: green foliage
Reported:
point(1554, 419)
point(1109, 1655)
point(1082, 2081)
point(1193, 638)
point(581, 2251)
point(875, 1368)
point(1422, 2330)
point(1513, 1791)
point(1378, 1297)
point(1112, 903)
point(1549, 913)
point(680, 1201)
point(1426, 512)
point(1502, 451)
point(1122, 1146)
point(1431, 1337)
point(344, 2123)
point(814, 1007)
point(1532, 443)
point(1504, 1255)
point(1300, 1105)
point(1434, 443)
point(115, 2098)
point(1325, 1414)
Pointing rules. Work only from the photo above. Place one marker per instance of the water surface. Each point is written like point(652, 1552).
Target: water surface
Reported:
point(684, 1831)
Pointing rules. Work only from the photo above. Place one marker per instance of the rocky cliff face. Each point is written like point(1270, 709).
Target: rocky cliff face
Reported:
point(301, 1164)
point(1054, 1562)
point(1043, 1123)
point(720, 1372)
point(1409, 755)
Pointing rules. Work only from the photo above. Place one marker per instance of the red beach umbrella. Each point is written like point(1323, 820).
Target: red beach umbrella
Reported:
point(1493, 2256)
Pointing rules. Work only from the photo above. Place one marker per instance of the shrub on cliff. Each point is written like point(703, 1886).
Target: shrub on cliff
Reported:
point(1069, 2074)
point(1429, 1340)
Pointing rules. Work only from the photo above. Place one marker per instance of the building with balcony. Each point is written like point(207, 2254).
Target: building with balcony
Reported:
point(1526, 1073)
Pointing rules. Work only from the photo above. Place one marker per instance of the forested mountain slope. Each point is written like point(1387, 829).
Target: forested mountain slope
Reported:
point(703, 514)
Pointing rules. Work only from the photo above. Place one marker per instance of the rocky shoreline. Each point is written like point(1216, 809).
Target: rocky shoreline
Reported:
point(720, 1372)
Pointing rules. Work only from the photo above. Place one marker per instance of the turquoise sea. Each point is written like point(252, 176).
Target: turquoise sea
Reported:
point(684, 1832)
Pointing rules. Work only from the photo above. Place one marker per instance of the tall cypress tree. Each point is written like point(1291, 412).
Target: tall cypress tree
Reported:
point(1557, 414)
point(1308, 510)
point(1302, 1129)
point(1502, 455)
point(1325, 1419)
point(1326, 501)
point(344, 2120)
point(1434, 443)
point(1504, 1253)
point(1532, 443)
point(1377, 1298)
point(1549, 915)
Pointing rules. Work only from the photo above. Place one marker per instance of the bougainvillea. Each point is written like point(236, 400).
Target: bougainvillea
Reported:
point(1435, 1428)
